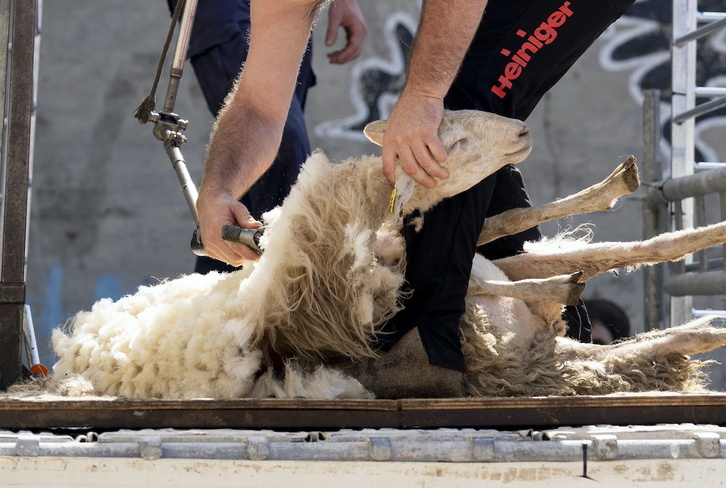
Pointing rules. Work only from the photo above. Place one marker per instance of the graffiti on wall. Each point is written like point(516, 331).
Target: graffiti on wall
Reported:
point(375, 82)
point(637, 44)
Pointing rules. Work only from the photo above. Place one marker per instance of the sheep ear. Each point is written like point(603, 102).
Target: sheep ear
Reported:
point(374, 131)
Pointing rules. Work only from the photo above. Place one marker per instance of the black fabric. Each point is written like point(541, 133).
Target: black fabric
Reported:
point(547, 37)
point(215, 23)
point(438, 275)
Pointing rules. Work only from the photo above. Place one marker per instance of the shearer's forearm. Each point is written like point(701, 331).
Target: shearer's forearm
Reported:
point(248, 131)
point(446, 30)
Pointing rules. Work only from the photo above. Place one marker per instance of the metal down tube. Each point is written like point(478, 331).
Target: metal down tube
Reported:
point(706, 165)
point(710, 16)
point(180, 53)
point(22, 36)
point(699, 184)
point(180, 167)
point(701, 109)
point(703, 283)
point(168, 125)
point(708, 313)
point(655, 210)
point(701, 32)
point(710, 91)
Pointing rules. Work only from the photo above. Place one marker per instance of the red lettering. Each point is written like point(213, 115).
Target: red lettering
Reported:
point(504, 83)
point(519, 61)
point(545, 34)
point(527, 46)
point(534, 42)
point(557, 19)
point(512, 71)
point(565, 9)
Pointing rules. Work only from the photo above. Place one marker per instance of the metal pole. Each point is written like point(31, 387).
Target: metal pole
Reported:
point(702, 109)
point(703, 283)
point(185, 180)
point(4, 43)
point(180, 53)
point(701, 32)
point(697, 185)
point(653, 208)
point(15, 201)
point(168, 126)
point(683, 69)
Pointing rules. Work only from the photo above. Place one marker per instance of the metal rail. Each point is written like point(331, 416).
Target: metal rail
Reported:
point(682, 442)
point(677, 201)
point(24, 16)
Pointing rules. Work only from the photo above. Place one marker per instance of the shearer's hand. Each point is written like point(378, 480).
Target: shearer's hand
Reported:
point(215, 210)
point(346, 15)
point(411, 140)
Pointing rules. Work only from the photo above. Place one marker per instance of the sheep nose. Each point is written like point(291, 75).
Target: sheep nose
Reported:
point(524, 131)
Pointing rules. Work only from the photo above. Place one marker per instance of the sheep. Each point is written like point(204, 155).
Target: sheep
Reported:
point(319, 289)
point(331, 275)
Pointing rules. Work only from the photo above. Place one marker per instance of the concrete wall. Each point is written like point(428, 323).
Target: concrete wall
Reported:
point(107, 211)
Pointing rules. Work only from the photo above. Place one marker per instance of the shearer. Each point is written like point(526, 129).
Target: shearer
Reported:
point(502, 61)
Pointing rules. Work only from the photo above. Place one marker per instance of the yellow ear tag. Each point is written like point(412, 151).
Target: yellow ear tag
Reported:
point(392, 201)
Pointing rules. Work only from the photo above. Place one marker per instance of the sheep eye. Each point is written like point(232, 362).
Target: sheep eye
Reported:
point(460, 144)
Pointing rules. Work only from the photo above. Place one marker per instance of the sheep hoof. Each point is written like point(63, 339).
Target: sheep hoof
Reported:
point(405, 372)
point(630, 174)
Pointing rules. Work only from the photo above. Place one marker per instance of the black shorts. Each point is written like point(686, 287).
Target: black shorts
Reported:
point(521, 49)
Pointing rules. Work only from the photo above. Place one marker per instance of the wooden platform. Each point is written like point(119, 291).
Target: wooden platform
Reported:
point(303, 414)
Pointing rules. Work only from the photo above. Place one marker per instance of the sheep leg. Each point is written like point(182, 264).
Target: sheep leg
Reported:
point(695, 337)
point(596, 258)
point(565, 289)
point(600, 197)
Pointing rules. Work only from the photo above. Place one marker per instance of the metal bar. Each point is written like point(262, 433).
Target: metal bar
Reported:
point(180, 53)
point(32, 342)
point(710, 16)
point(683, 83)
point(180, 167)
point(11, 293)
point(678, 215)
point(653, 276)
point(4, 42)
point(701, 109)
point(677, 267)
point(697, 185)
point(15, 208)
point(710, 91)
point(453, 446)
point(687, 284)
point(708, 313)
point(168, 126)
point(708, 165)
point(700, 207)
point(701, 32)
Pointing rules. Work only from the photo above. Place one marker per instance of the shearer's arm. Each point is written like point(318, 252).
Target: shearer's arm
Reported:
point(247, 135)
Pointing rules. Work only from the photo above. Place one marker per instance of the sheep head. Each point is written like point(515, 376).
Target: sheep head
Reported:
point(478, 144)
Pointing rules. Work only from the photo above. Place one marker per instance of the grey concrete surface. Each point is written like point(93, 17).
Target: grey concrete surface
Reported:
point(107, 211)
